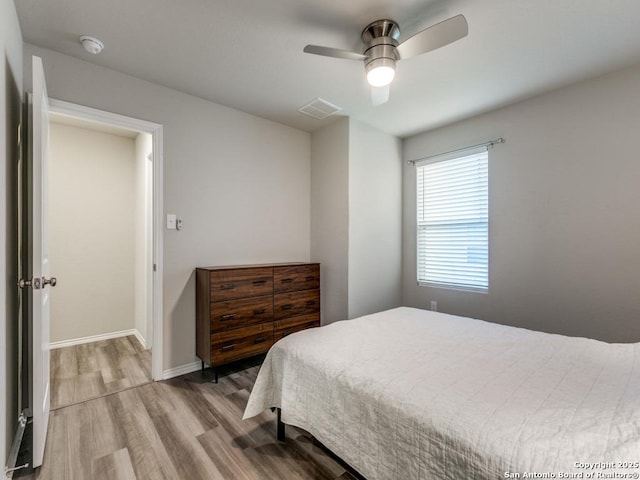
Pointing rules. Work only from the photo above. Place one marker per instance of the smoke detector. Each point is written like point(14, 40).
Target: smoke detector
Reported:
point(91, 44)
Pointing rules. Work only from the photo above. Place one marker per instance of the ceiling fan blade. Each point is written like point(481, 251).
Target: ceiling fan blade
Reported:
point(379, 95)
point(333, 52)
point(436, 36)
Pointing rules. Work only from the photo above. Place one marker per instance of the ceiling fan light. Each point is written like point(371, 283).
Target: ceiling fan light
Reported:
point(380, 72)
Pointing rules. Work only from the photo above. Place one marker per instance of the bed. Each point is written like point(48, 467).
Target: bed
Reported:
point(415, 394)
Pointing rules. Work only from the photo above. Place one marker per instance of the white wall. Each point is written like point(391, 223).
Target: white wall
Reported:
point(564, 217)
point(330, 217)
point(143, 237)
point(356, 218)
point(240, 183)
point(10, 85)
point(375, 220)
point(92, 232)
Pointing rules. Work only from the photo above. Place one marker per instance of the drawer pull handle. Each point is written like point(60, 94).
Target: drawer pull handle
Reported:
point(287, 306)
point(310, 279)
point(228, 316)
point(259, 340)
point(287, 280)
point(259, 282)
point(259, 311)
point(228, 348)
point(311, 303)
point(227, 286)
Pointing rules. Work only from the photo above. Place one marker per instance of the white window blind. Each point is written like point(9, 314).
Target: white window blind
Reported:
point(453, 221)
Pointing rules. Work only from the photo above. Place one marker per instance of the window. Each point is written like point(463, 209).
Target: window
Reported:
point(453, 221)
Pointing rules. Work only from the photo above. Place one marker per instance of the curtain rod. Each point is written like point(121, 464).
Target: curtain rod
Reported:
point(490, 143)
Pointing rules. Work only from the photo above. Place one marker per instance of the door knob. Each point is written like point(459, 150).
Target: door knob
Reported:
point(37, 283)
point(33, 283)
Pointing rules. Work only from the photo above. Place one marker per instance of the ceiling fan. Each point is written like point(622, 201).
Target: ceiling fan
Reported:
point(382, 49)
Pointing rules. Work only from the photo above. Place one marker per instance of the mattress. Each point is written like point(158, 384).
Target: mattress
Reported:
point(415, 394)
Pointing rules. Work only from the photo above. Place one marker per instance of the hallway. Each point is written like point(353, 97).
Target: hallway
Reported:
point(92, 370)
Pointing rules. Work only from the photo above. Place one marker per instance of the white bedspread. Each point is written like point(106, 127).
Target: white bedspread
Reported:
point(414, 394)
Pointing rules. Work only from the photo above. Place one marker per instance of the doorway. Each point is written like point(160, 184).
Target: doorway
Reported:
point(128, 343)
point(99, 225)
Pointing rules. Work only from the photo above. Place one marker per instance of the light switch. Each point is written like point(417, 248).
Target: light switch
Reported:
point(171, 221)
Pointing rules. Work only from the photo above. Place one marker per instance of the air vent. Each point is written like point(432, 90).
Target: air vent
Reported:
point(319, 108)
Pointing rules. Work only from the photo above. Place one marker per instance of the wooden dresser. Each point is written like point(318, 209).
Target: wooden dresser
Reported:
point(242, 310)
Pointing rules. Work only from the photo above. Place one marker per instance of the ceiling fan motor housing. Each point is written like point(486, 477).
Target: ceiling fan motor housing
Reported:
point(381, 39)
point(381, 28)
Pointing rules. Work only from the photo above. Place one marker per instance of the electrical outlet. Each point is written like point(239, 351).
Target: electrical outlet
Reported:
point(434, 305)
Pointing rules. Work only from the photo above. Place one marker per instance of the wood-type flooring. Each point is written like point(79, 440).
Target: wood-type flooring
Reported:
point(183, 428)
point(91, 370)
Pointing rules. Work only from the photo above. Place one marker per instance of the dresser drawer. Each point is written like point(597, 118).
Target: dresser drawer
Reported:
point(287, 326)
point(240, 343)
point(296, 303)
point(241, 312)
point(296, 277)
point(238, 283)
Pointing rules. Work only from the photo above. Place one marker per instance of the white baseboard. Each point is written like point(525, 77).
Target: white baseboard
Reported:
point(182, 370)
point(140, 338)
point(95, 338)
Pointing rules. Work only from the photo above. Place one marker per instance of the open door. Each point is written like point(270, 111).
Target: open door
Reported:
point(39, 252)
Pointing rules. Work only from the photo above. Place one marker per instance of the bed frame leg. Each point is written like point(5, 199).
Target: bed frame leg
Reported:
point(279, 427)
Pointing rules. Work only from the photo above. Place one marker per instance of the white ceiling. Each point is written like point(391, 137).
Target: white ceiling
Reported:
point(247, 54)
